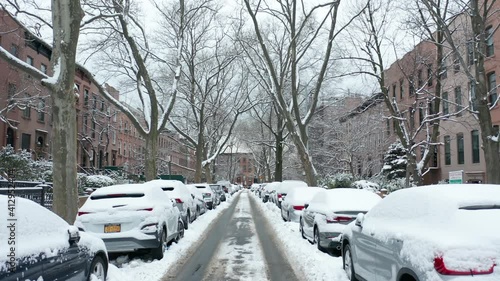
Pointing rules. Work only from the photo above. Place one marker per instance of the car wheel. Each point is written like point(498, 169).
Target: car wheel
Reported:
point(188, 219)
point(288, 216)
point(97, 269)
point(180, 231)
point(157, 253)
point(316, 239)
point(348, 264)
point(302, 229)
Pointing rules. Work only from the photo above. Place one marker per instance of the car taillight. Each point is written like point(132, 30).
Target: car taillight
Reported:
point(206, 195)
point(83, 213)
point(442, 269)
point(298, 208)
point(178, 200)
point(146, 209)
point(337, 219)
point(279, 195)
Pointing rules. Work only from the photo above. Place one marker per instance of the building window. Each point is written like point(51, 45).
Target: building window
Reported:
point(470, 52)
point(94, 101)
point(420, 79)
point(447, 150)
point(114, 137)
point(11, 93)
point(394, 91)
point(388, 127)
point(29, 60)
point(86, 97)
point(93, 128)
point(26, 141)
point(41, 110)
point(490, 48)
point(401, 89)
point(492, 88)
point(85, 124)
point(27, 108)
point(443, 71)
point(14, 50)
point(460, 148)
point(429, 75)
point(421, 113)
point(444, 99)
point(475, 146)
point(456, 62)
point(103, 106)
point(458, 100)
point(411, 87)
point(43, 68)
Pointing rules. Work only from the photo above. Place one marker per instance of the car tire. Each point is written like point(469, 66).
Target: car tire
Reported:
point(288, 216)
point(317, 239)
point(348, 264)
point(188, 219)
point(98, 269)
point(180, 231)
point(302, 229)
point(157, 253)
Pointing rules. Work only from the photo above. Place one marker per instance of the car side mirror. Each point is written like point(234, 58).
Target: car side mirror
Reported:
point(74, 235)
point(359, 219)
point(306, 205)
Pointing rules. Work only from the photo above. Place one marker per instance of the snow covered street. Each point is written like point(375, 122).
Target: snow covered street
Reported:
point(243, 239)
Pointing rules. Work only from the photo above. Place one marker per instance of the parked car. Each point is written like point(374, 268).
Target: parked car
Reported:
point(46, 247)
point(225, 185)
point(295, 201)
point(327, 214)
point(438, 232)
point(131, 217)
point(268, 190)
point(179, 192)
point(282, 190)
point(210, 196)
point(220, 193)
point(201, 205)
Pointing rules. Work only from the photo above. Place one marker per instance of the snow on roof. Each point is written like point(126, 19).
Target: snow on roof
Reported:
point(287, 184)
point(164, 183)
point(302, 195)
point(123, 188)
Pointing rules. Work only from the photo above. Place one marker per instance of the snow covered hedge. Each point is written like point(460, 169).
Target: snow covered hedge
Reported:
point(25, 167)
point(341, 180)
point(93, 181)
point(364, 184)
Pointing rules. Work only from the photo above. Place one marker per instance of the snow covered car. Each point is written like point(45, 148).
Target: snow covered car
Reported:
point(268, 190)
point(328, 213)
point(217, 188)
point(282, 190)
point(209, 195)
point(178, 191)
point(437, 233)
point(201, 205)
point(295, 201)
point(40, 245)
point(131, 217)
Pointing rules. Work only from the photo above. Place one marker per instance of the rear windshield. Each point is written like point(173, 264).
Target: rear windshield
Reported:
point(117, 195)
point(481, 207)
point(167, 188)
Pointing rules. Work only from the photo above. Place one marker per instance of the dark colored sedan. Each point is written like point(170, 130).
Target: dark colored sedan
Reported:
point(42, 246)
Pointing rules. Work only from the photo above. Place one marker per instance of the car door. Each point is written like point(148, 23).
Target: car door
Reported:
point(308, 221)
point(30, 268)
point(68, 264)
point(364, 250)
point(388, 258)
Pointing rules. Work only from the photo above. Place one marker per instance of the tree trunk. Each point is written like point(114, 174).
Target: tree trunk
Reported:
point(66, 18)
point(490, 147)
point(278, 155)
point(151, 171)
point(199, 158)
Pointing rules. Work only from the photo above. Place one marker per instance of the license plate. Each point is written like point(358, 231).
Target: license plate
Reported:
point(110, 228)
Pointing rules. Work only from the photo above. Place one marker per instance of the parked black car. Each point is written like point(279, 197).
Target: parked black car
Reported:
point(44, 245)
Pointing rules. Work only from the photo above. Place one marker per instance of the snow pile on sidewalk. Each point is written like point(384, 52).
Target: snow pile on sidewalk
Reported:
point(314, 264)
point(123, 269)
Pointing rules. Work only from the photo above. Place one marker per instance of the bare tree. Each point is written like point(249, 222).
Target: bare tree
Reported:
point(300, 27)
point(66, 19)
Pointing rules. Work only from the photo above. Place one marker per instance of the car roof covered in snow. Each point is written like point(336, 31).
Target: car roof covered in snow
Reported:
point(344, 199)
point(123, 188)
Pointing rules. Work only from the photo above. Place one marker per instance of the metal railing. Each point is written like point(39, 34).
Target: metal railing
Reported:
point(36, 191)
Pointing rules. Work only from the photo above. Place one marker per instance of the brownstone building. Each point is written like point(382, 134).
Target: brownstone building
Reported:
point(106, 136)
